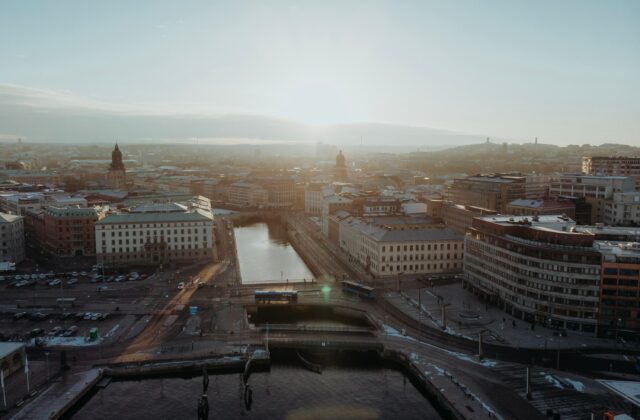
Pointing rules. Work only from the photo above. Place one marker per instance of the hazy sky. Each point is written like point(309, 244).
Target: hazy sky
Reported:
point(565, 71)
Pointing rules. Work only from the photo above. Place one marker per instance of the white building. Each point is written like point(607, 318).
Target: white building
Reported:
point(11, 238)
point(589, 186)
point(330, 205)
point(594, 189)
point(19, 203)
point(245, 194)
point(390, 246)
point(164, 235)
point(622, 209)
point(314, 194)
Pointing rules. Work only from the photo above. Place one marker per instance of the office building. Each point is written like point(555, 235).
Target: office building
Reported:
point(155, 234)
point(392, 246)
point(612, 166)
point(536, 268)
point(11, 238)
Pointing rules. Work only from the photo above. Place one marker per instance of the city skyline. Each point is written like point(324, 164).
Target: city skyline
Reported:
point(562, 72)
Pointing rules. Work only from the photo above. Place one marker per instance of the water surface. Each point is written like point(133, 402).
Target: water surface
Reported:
point(287, 392)
point(266, 255)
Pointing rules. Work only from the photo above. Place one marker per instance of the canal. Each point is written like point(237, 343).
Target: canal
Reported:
point(266, 256)
point(358, 391)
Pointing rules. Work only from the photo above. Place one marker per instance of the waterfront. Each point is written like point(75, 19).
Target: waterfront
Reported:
point(286, 392)
point(265, 254)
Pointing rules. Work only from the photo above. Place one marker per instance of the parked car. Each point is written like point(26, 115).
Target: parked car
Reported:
point(87, 316)
point(79, 315)
point(20, 315)
point(181, 285)
point(83, 274)
point(37, 316)
point(55, 282)
point(65, 315)
point(71, 331)
point(72, 281)
point(36, 332)
point(104, 316)
point(55, 331)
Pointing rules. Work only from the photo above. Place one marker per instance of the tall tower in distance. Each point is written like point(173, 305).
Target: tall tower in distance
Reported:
point(340, 173)
point(117, 175)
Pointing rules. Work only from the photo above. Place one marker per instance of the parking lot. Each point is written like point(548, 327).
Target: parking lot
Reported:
point(62, 307)
point(46, 326)
point(67, 279)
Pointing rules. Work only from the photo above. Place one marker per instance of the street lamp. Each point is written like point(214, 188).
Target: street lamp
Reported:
point(618, 322)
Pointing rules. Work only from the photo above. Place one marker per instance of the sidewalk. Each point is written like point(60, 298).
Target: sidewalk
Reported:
point(467, 316)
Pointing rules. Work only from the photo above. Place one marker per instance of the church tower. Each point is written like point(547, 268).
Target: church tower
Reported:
point(117, 176)
point(340, 173)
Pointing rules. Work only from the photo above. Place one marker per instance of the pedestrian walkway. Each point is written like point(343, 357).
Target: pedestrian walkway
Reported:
point(466, 315)
point(59, 396)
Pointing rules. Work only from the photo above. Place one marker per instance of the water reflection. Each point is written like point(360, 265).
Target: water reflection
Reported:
point(265, 254)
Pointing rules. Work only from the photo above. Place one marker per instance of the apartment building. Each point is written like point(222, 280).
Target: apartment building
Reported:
point(623, 209)
point(491, 192)
point(63, 231)
point(246, 194)
point(594, 189)
point(616, 166)
point(620, 287)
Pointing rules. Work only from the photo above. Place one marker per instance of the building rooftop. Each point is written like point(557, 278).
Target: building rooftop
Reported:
point(595, 177)
point(72, 211)
point(541, 204)
point(601, 231)
point(613, 250)
point(8, 347)
point(8, 218)
point(191, 216)
point(543, 220)
point(371, 227)
point(159, 208)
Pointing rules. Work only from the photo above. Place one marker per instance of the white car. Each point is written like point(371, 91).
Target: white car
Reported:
point(181, 285)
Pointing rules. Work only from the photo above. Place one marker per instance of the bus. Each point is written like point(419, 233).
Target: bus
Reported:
point(275, 296)
point(358, 289)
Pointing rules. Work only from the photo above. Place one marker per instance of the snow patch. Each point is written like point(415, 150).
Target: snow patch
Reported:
point(467, 358)
point(112, 331)
point(553, 381)
point(71, 341)
point(577, 385)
